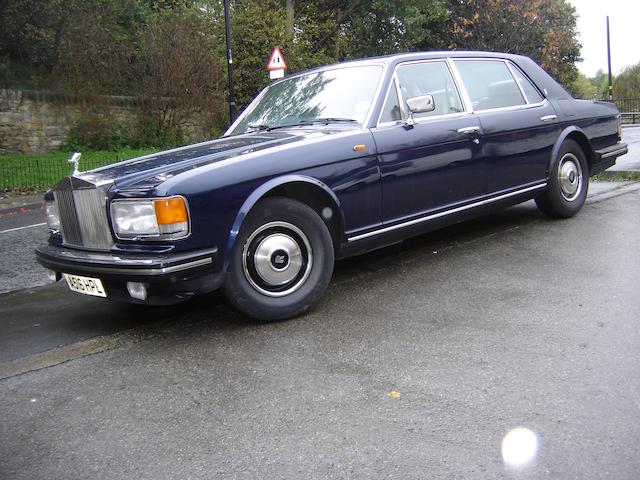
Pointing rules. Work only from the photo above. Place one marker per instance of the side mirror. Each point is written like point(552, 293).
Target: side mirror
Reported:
point(419, 104)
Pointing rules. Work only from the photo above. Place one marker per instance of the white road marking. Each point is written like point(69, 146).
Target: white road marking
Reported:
point(22, 228)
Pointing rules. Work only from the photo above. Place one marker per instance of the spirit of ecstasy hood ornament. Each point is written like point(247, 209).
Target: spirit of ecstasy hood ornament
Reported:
point(75, 159)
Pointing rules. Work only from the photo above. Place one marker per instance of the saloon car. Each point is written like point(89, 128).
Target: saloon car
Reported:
point(325, 164)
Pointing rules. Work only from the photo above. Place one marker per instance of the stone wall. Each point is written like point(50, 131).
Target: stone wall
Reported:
point(41, 121)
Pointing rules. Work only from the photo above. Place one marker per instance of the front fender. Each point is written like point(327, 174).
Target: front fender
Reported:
point(259, 193)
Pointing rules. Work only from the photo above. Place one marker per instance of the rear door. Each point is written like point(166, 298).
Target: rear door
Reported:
point(519, 125)
point(435, 163)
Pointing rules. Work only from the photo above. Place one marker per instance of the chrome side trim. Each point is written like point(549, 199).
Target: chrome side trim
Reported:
point(445, 213)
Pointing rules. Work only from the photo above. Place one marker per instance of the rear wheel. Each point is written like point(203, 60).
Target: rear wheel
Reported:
point(282, 261)
point(568, 183)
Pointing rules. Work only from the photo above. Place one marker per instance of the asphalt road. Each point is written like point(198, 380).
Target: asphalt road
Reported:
point(20, 233)
point(630, 161)
point(416, 364)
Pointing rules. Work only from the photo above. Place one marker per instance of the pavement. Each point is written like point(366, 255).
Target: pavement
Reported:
point(14, 203)
point(631, 161)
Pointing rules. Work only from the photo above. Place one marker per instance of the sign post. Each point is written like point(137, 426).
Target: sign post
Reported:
point(276, 65)
point(232, 95)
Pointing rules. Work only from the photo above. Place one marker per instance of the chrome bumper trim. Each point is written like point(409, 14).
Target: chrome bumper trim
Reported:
point(614, 151)
point(62, 259)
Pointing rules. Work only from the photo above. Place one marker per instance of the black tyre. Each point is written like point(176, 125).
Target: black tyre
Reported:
point(568, 183)
point(282, 261)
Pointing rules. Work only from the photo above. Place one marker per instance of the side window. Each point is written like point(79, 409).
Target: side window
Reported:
point(391, 111)
point(430, 78)
point(533, 96)
point(489, 84)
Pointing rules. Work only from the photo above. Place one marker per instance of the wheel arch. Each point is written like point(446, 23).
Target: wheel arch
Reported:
point(576, 134)
point(307, 190)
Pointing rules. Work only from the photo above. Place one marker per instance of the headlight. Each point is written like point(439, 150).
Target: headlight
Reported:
point(160, 219)
point(53, 218)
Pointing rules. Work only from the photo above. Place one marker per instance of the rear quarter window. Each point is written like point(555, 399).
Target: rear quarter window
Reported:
point(532, 94)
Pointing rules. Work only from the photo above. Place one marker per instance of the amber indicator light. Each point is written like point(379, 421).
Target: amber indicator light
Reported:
point(170, 210)
point(359, 148)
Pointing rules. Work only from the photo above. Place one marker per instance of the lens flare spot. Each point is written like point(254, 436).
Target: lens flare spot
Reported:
point(519, 447)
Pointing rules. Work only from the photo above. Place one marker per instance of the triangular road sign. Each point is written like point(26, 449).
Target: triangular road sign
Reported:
point(276, 62)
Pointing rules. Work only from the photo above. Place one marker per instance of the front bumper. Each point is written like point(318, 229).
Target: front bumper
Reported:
point(170, 277)
point(606, 157)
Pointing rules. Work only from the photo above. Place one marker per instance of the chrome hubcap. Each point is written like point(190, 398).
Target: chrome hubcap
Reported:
point(277, 259)
point(570, 177)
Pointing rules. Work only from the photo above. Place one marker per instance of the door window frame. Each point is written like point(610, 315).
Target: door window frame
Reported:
point(403, 106)
point(510, 66)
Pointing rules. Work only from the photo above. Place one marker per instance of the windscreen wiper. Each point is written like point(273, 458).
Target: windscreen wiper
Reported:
point(312, 121)
point(334, 120)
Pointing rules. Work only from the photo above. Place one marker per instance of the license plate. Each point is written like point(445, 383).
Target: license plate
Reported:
point(86, 285)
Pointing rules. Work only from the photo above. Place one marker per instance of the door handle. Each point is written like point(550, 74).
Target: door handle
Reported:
point(548, 118)
point(469, 130)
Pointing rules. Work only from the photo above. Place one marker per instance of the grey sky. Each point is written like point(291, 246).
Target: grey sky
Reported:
point(624, 26)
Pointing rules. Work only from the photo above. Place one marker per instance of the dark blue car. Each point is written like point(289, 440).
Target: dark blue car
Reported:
point(325, 164)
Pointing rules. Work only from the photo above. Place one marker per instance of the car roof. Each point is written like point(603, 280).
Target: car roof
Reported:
point(398, 57)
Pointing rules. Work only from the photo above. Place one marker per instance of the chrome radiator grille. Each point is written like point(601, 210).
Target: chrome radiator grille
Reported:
point(83, 217)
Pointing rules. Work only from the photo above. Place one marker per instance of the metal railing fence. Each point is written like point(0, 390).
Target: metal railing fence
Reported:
point(629, 108)
point(40, 173)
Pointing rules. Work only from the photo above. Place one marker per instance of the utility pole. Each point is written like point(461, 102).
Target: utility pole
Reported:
point(232, 95)
point(609, 61)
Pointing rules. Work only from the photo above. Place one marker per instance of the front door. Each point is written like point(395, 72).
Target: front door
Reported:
point(436, 163)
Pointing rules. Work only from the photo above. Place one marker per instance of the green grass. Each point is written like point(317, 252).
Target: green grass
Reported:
point(37, 171)
point(615, 176)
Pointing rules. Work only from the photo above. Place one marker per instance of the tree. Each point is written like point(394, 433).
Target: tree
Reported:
point(627, 84)
point(179, 74)
point(582, 87)
point(544, 30)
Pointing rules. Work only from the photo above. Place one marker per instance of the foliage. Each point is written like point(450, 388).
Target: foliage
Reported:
point(627, 84)
point(381, 27)
point(601, 82)
point(180, 76)
point(582, 87)
point(544, 30)
point(257, 27)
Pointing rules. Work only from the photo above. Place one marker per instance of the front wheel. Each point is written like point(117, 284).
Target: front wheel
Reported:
point(568, 183)
point(282, 261)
